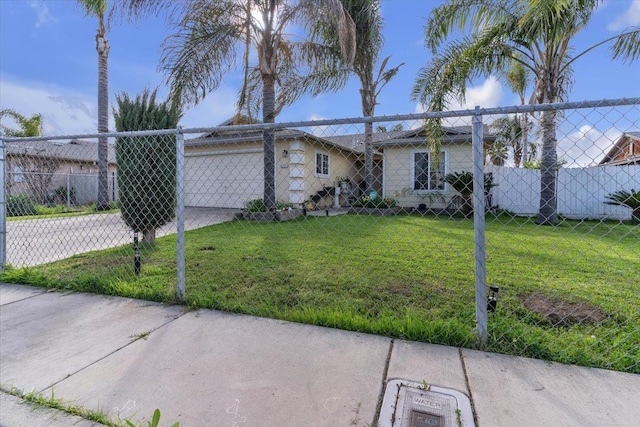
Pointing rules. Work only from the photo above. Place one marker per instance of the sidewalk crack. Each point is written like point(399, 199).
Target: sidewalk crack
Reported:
point(172, 319)
point(383, 385)
point(466, 380)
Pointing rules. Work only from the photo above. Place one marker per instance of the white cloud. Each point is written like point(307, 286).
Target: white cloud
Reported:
point(64, 111)
point(320, 131)
point(43, 14)
point(587, 146)
point(213, 110)
point(489, 94)
point(629, 18)
point(67, 112)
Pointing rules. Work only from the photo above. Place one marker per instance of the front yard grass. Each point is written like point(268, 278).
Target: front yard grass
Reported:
point(409, 277)
point(61, 211)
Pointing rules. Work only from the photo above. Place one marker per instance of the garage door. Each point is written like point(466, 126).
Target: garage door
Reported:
point(223, 180)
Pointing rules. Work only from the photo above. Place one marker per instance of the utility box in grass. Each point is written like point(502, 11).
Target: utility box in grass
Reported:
point(411, 404)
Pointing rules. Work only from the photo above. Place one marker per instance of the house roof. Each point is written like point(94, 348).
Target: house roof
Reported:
point(351, 142)
point(233, 136)
point(619, 147)
point(75, 150)
point(356, 141)
point(456, 134)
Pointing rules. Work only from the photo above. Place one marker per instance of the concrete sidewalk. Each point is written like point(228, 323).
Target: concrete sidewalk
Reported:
point(207, 368)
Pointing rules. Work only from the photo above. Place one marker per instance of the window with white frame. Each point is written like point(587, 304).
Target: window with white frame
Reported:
point(425, 174)
point(18, 174)
point(322, 164)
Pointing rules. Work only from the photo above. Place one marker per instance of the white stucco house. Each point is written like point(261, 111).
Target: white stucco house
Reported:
point(413, 176)
point(224, 169)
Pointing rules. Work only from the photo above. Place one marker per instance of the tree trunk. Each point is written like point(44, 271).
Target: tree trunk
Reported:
point(368, 158)
point(368, 107)
point(269, 140)
point(524, 125)
point(548, 213)
point(102, 46)
point(149, 236)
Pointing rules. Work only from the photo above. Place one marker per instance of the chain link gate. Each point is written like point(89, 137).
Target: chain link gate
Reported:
point(439, 244)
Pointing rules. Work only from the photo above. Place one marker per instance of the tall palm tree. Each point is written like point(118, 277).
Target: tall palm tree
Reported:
point(373, 75)
point(98, 8)
point(498, 153)
point(518, 79)
point(29, 126)
point(536, 33)
point(209, 36)
point(509, 133)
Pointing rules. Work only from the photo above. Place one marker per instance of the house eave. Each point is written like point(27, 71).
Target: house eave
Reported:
point(449, 139)
point(258, 138)
point(632, 160)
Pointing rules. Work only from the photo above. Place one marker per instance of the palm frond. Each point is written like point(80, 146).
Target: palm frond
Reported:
point(94, 7)
point(459, 15)
point(627, 45)
point(137, 9)
point(630, 199)
point(28, 126)
point(204, 48)
point(460, 61)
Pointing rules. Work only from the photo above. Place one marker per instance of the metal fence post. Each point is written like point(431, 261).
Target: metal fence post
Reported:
point(3, 206)
point(479, 228)
point(180, 215)
point(68, 190)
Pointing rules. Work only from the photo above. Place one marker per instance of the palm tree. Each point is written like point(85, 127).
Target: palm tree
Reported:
point(518, 79)
point(29, 126)
point(395, 128)
point(98, 9)
point(509, 133)
point(209, 36)
point(368, 23)
point(535, 33)
point(498, 153)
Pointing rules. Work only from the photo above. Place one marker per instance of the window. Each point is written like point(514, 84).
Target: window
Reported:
point(18, 174)
point(425, 176)
point(322, 164)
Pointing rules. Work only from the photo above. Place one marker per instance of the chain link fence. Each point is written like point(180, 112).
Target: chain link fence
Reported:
point(430, 240)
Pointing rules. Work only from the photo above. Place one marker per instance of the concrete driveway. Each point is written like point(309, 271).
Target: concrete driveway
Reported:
point(38, 241)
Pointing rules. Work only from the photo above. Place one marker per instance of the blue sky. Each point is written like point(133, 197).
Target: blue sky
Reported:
point(48, 65)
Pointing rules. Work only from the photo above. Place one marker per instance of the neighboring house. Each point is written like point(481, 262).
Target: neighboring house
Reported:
point(38, 168)
point(225, 168)
point(625, 151)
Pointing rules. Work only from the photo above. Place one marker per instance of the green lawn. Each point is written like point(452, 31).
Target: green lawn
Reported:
point(407, 276)
point(59, 211)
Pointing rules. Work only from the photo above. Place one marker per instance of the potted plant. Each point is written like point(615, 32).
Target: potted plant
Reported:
point(462, 182)
point(309, 205)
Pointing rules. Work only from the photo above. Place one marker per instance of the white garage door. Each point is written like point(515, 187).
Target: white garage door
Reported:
point(223, 180)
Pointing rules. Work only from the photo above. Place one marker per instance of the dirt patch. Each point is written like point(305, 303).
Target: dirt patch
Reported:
point(563, 313)
point(402, 290)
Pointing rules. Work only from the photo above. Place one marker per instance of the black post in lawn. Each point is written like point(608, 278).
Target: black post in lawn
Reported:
point(136, 254)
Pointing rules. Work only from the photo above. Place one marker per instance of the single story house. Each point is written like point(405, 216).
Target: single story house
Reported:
point(225, 169)
point(625, 151)
point(38, 168)
point(411, 174)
